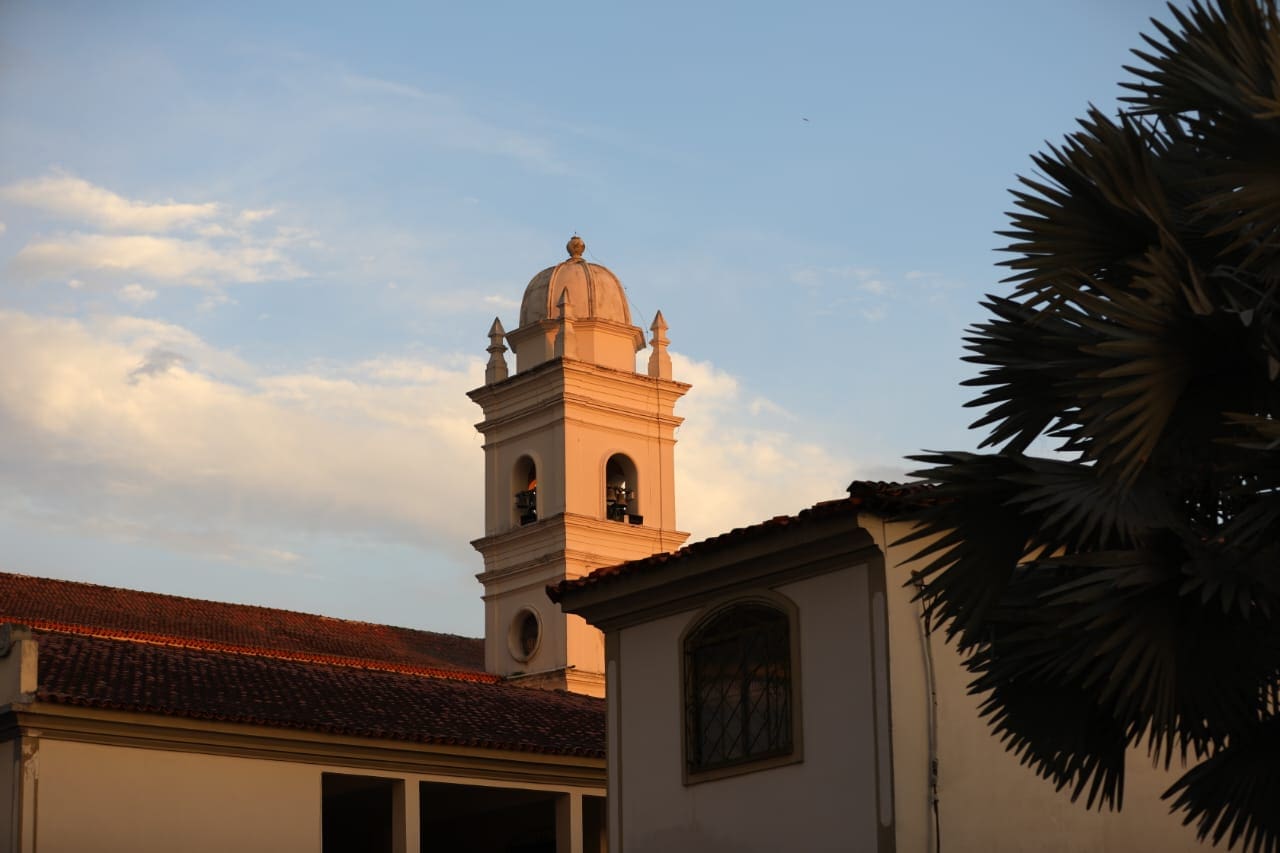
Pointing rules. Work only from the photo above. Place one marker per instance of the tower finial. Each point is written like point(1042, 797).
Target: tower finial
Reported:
point(496, 369)
point(576, 247)
point(659, 360)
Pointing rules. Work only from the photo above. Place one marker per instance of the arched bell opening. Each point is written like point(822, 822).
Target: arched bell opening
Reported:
point(524, 489)
point(621, 490)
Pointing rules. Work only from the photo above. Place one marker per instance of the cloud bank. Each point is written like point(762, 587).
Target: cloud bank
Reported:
point(138, 424)
point(740, 459)
point(66, 196)
point(101, 237)
point(139, 430)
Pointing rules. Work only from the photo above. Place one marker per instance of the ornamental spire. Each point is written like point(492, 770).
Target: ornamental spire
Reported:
point(496, 369)
point(659, 361)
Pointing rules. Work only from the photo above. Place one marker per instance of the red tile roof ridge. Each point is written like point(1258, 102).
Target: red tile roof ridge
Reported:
point(237, 605)
point(174, 641)
point(129, 612)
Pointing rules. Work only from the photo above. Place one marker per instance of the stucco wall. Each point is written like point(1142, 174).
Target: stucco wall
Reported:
point(752, 812)
point(111, 798)
point(96, 798)
point(987, 800)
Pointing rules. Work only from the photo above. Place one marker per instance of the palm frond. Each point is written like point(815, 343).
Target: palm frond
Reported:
point(1128, 593)
point(1233, 794)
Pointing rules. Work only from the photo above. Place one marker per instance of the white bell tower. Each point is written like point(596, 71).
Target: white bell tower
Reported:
point(579, 471)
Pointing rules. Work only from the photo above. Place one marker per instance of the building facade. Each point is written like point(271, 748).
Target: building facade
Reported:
point(132, 721)
point(773, 688)
point(769, 689)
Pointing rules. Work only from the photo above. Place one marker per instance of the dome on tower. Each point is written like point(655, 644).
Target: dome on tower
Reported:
point(594, 291)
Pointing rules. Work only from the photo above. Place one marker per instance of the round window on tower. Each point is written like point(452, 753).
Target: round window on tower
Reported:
point(525, 635)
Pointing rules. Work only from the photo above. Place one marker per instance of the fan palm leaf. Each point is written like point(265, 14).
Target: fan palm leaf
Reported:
point(1127, 594)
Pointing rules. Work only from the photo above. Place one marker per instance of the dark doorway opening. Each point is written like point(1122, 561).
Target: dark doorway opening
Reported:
point(357, 813)
point(477, 819)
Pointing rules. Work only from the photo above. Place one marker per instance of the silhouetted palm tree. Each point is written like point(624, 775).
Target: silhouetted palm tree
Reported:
point(1126, 591)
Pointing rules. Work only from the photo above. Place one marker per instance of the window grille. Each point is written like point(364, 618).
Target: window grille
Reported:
point(738, 704)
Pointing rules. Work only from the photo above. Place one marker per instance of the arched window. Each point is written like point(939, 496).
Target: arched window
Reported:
point(620, 501)
point(524, 486)
point(738, 696)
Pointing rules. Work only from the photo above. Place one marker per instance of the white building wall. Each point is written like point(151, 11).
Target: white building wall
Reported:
point(986, 800)
point(96, 798)
point(759, 811)
point(115, 799)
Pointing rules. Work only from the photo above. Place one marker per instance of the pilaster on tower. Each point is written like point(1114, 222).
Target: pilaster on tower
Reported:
point(579, 468)
point(566, 344)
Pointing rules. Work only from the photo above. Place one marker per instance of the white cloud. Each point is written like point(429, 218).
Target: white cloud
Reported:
point(248, 217)
point(138, 430)
point(397, 369)
point(143, 423)
point(737, 466)
point(69, 197)
point(3, 228)
point(163, 260)
point(106, 239)
point(763, 405)
point(135, 294)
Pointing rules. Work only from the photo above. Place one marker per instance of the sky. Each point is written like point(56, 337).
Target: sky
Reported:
point(249, 254)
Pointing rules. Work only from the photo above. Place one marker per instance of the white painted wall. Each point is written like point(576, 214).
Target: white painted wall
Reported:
point(987, 800)
point(114, 799)
point(96, 798)
point(764, 810)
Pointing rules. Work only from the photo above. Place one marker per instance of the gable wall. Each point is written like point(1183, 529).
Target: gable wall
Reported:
point(752, 812)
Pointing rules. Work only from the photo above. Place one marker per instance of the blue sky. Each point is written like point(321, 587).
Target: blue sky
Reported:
point(249, 256)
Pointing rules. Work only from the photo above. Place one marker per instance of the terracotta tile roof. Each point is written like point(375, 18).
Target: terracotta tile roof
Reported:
point(889, 499)
point(864, 496)
point(149, 617)
point(203, 684)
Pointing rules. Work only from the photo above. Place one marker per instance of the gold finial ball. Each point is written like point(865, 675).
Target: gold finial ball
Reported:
point(575, 246)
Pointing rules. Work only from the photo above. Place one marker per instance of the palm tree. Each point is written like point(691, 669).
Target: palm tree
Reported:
point(1126, 591)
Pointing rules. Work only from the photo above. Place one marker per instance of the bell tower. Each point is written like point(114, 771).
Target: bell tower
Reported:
point(579, 471)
